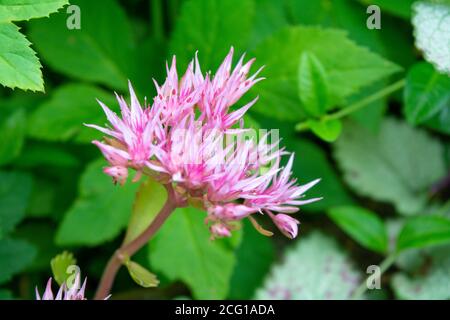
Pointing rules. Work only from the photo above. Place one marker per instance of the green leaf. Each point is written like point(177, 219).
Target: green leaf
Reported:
point(61, 118)
point(429, 282)
point(329, 270)
point(326, 130)
point(427, 93)
point(312, 85)
point(141, 276)
point(101, 211)
point(441, 121)
point(253, 259)
point(16, 10)
point(431, 24)
point(12, 135)
point(15, 256)
point(364, 226)
point(387, 166)
point(422, 231)
point(150, 199)
point(205, 266)
point(349, 68)
point(101, 51)
point(19, 66)
point(15, 189)
point(310, 163)
point(60, 265)
point(211, 27)
point(400, 8)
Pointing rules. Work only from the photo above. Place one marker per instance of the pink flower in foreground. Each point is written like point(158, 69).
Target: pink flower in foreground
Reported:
point(188, 137)
point(64, 293)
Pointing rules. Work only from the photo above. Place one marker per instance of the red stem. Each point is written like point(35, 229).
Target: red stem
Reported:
point(128, 249)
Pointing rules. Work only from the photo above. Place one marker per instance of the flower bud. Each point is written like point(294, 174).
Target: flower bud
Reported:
point(286, 224)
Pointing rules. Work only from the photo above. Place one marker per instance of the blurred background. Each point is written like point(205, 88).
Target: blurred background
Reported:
point(362, 98)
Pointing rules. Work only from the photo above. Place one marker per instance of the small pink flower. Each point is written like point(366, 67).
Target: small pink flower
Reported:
point(286, 224)
point(219, 230)
point(118, 173)
point(64, 293)
point(230, 211)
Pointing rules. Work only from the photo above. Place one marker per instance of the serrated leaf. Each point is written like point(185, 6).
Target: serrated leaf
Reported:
point(17, 10)
point(141, 276)
point(100, 212)
point(100, 51)
point(329, 270)
point(431, 29)
point(427, 93)
point(326, 130)
point(60, 265)
point(149, 200)
point(312, 85)
point(364, 226)
point(15, 190)
point(15, 256)
point(19, 66)
point(349, 68)
point(423, 231)
point(12, 134)
point(387, 166)
point(205, 266)
point(203, 26)
point(61, 117)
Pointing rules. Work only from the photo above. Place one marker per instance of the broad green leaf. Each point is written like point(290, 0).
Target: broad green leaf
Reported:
point(431, 29)
point(12, 135)
point(43, 154)
point(205, 266)
point(326, 130)
point(430, 281)
point(19, 66)
point(253, 259)
point(60, 265)
point(269, 17)
point(364, 226)
point(101, 211)
point(99, 51)
point(315, 267)
point(15, 189)
point(388, 166)
point(312, 85)
point(15, 256)
point(61, 118)
point(310, 163)
point(441, 121)
point(427, 93)
point(16, 10)
point(150, 199)
point(348, 66)
point(211, 27)
point(141, 276)
point(422, 231)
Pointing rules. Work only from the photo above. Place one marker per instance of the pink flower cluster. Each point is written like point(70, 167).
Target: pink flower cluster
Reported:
point(189, 137)
point(64, 293)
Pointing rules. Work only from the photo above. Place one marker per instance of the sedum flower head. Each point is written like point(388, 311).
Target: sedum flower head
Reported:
point(64, 293)
point(190, 136)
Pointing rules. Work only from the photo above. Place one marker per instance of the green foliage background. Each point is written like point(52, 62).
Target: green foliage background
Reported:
point(362, 109)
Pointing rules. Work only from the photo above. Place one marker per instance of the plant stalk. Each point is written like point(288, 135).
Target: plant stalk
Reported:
point(357, 105)
point(130, 248)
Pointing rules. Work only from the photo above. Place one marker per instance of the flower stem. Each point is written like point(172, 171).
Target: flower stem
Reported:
point(357, 105)
point(130, 248)
point(385, 264)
